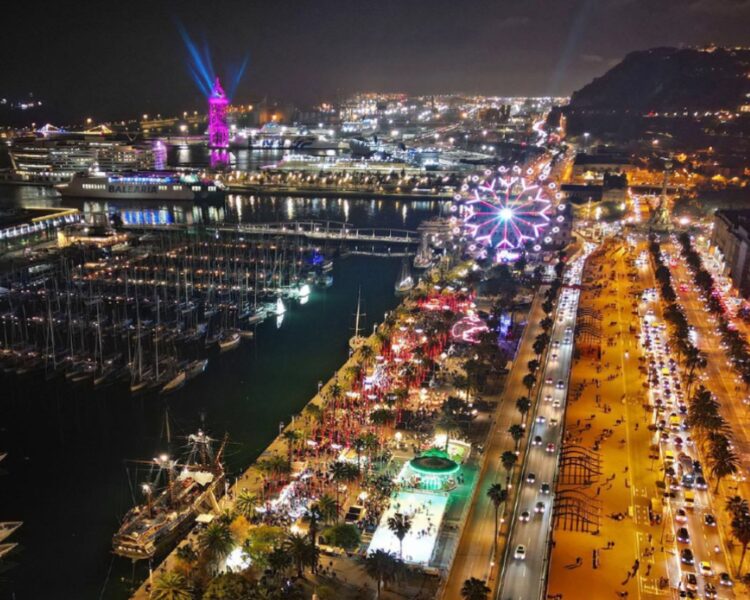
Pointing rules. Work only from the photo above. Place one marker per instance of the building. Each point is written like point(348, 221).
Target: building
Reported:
point(593, 167)
point(23, 227)
point(731, 237)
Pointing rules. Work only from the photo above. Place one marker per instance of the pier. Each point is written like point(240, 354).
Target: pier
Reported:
point(314, 230)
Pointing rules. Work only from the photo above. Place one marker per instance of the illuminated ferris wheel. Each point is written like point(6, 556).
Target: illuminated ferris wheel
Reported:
point(509, 210)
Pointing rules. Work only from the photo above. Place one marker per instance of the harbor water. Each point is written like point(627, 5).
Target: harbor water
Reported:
point(66, 475)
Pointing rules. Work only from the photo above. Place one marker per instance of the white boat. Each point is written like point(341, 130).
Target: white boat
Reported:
point(229, 341)
point(405, 280)
point(175, 383)
point(5, 548)
point(195, 368)
point(423, 259)
point(8, 527)
point(280, 308)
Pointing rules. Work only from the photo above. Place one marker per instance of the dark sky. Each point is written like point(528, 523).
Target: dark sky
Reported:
point(122, 58)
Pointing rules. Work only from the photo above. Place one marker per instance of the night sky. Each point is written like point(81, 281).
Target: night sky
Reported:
point(123, 58)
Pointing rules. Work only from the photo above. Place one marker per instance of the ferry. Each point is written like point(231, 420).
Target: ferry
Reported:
point(144, 185)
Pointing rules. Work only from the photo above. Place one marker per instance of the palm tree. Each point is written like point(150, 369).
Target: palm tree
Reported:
point(737, 505)
point(187, 556)
point(381, 566)
point(533, 365)
point(400, 525)
point(508, 459)
point(216, 543)
point(279, 562)
point(290, 436)
point(741, 532)
point(497, 496)
point(328, 508)
point(722, 459)
point(171, 586)
point(474, 589)
point(313, 517)
point(367, 354)
point(245, 503)
point(448, 425)
point(302, 552)
point(516, 432)
point(342, 472)
point(523, 405)
point(528, 381)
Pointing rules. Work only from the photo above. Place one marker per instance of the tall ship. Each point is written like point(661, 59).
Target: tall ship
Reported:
point(189, 489)
point(144, 185)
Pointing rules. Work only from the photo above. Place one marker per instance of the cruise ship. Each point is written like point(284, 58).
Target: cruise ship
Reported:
point(144, 185)
point(53, 161)
point(273, 136)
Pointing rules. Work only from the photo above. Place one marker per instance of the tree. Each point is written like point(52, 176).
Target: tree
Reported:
point(171, 586)
point(279, 562)
point(216, 543)
point(523, 405)
point(290, 436)
point(343, 536)
point(722, 459)
point(737, 506)
point(312, 517)
point(245, 503)
point(400, 525)
point(508, 459)
point(741, 532)
point(533, 365)
point(474, 589)
point(328, 508)
point(528, 381)
point(381, 566)
point(187, 557)
point(448, 425)
point(302, 552)
point(497, 496)
point(342, 472)
point(261, 541)
point(228, 586)
point(516, 432)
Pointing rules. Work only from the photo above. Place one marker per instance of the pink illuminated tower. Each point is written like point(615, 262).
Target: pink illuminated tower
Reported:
point(218, 130)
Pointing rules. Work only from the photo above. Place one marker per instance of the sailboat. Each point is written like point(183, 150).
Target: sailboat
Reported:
point(423, 259)
point(8, 527)
point(405, 280)
point(357, 341)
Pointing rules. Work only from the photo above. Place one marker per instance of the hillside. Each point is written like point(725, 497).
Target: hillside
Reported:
point(664, 79)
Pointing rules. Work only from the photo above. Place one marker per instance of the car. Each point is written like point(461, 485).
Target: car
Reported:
point(560, 384)
point(530, 478)
point(554, 356)
point(567, 341)
point(548, 397)
point(686, 556)
point(520, 553)
point(709, 520)
point(706, 569)
point(539, 507)
point(541, 419)
point(710, 590)
point(556, 403)
point(537, 441)
point(725, 579)
point(524, 516)
point(548, 381)
point(700, 483)
point(553, 422)
point(544, 488)
point(691, 582)
point(680, 515)
point(550, 447)
point(683, 535)
point(556, 344)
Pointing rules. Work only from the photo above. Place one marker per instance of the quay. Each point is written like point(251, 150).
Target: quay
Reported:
point(314, 230)
point(336, 192)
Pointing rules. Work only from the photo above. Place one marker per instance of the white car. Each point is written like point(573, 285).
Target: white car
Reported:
point(520, 553)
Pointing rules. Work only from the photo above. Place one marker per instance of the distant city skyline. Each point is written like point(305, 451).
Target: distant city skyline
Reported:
point(128, 58)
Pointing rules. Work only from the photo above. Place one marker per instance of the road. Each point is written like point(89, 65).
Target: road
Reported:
point(524, 577)
point(474, 553)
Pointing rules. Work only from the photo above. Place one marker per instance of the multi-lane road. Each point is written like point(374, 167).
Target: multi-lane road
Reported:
point(526, 557)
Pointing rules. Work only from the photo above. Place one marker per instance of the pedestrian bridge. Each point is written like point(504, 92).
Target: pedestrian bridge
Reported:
point(325, 230)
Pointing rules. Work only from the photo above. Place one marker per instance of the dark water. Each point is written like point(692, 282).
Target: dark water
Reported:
point(65, 475)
